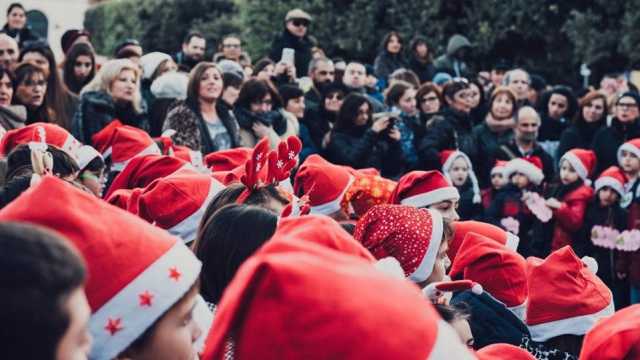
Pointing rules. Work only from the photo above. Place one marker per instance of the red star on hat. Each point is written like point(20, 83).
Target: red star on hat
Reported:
point(174, 273)
point(146, 298)
point(113, 326)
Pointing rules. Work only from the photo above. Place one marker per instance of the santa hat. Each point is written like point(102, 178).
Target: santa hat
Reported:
point(410, 235)
point(103, 139)
point(264, 312)
point(129, 142)
point(500, 271)
point(323, 182)
point(530, 166)
point(435, 290)
point(499, 167)
point(86, 154)
point(194, 157)
point(503, 351)
point(462, 228)
point(632, 146)
point(583, 162)
point(151, 61)
point(137, 272)
point(617, 337)
point(178, 202)
point(120, 198)
point(226, 160)
point(142, 170)
point(447, 157)
point(612, 177)
point(423, 188)
point(50, 134)
point(565, 297)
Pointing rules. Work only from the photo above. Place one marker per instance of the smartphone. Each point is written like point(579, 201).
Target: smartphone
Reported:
point(288, 56)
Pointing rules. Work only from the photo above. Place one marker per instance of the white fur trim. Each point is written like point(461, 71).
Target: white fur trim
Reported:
point(425, 268)
point(520, 311)
point(152, 149)
point(576, 164)
point(333, 205)
point(432, 197)
point(534, 174)
point(578, 325)
point(188, 228)
point(477, 289)
point(126, 306)
point(107, 152)
point(591, 263)
point(390, 266)
point(71, 146)
point(512, 241)
point(203, 317)
point(448, 345)
point(630, 148)
point(86, 154)
point(610, 182)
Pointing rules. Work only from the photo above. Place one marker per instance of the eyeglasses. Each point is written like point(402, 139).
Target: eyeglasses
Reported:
point(430, 99)
point(263, 102)
point(231, 46)
point(627, 105)
point(299, 23)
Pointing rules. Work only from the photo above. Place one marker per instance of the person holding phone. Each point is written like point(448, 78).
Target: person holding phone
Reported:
point(294, 42)
point(361, 140)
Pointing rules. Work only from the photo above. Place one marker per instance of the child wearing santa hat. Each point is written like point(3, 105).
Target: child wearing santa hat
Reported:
point(498, 181)
point(457, 166)
point(92, 168)
point(430, 190)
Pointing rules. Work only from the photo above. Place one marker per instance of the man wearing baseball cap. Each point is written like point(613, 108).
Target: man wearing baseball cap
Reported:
point(295, 36)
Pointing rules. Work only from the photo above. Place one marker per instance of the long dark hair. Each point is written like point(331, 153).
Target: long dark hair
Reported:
point(80, 49)
point(387, 38)
point(349, 111)
point(25, 72)
point(255, 90)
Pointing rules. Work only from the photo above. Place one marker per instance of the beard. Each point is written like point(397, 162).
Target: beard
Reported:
point(528, 137)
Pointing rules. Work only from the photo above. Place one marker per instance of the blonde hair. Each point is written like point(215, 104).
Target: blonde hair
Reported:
point(107, 75)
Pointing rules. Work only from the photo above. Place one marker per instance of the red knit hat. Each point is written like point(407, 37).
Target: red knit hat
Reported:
point(410, 235)
point(617, 337)
point(142, 170)
point(530, 166)
point(614, 178)
point(503, 351)
point(103, 139)
point(500, 271)
point(265, 311)
point(177, 202)
point(324, 183)
point(583, 161)
point(565, 297)
point(632, 146)
point(225, 160)
point(499, 167)
point(447, 157)
point(137, 272)
point(129, 142)
point(462, 228)
point(423, 188)
point(50, 134)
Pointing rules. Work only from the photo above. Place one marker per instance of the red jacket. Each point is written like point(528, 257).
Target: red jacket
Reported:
point(570, 216)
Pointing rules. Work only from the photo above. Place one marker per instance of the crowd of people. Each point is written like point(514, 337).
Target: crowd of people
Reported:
point(168, 206)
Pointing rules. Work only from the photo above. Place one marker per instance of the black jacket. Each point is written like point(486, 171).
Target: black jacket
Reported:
point(607, 140)
point(467, 209)
point(548, 167)
point(386, 63)
point(425, 71)
point(578, 136)
point(302, 49)
point(488, 143)
point(319, 122)
point(21, 36)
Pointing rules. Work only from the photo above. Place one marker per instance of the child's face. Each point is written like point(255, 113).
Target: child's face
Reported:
point(459, 172)
point(447, 209)
point(520, 180)
point(498, 180)
point(76, 341)
point(568, 174)
point(629, 163)
point(607, 196)
point(440, 266)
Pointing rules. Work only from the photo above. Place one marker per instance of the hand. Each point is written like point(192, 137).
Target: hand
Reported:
point(394, 134)
point(380, 125)
point(261, 130)
point(553, 203)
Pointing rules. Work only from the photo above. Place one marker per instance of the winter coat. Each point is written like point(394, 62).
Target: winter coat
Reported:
point(184, 62)
point(425, 70)
point(452, 132)
point(569, 218)
point(488, 143)
point(308, 145)
point(192, 131)
point(549, 136)
point(629, 262)
point(548, 167)
point(577, 136)
point(244, 60)
point(12, 117)
point(301, 46)
point(405, 124)
point(20, 36)
point(362, 148)
point(386, 63)
point(467, 209)
point(449, 63)
point(318, 123)
point(97, 109)
point(607, 140)
point(283, 125)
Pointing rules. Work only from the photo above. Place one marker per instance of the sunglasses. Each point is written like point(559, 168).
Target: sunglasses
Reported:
point(299, 23)
point(335, 96)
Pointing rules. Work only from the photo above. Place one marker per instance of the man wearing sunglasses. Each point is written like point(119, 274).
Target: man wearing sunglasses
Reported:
point(295, 36)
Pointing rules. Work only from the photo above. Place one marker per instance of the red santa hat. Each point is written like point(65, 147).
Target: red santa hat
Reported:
point(129, 142)
point(632, 146)
point(323, 182)
point(265, 311)
point(617, 337)
point(103, 139)
point(137, 272)
point(500, 271)
point(178, 202)
point(423, 188)
point(499, 167)
point(50, 134)
point(530, 166)
point(462, 228)
point(142, 170)
point(226, 160)
point(447, 157)
point(565, 297)
point(503, 351)
point(614, 178)
point(193, 157)
point(120, 198)
point(583, 162)
point(410, 235)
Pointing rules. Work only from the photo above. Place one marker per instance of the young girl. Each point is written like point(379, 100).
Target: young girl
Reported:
point(92, 167)
point(457, 167)
point(525, 175)
point(498, 181)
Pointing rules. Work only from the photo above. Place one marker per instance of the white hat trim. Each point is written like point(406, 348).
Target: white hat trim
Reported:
point(134, 316)
point(188, 228)
point(425, 268)
point(534, 174)
point(628, 147)
point(610, 182)
point(512, 241)
point(472, 175)
point(448, 344)
point(87, 154)
point(333, 205)
point(152, 149)
point(432, 197)
point(578, 325)
point(71, 146)
point(520, 311)
point(577, 165)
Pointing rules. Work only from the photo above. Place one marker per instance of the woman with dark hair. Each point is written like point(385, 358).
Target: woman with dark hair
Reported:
point(359, 141)
point(225, 242)
point(198, 123)
point(30, 86)
point(556, 108)
point(11, 116)
point(390, 57)
point(401, 98)
point(478, 102)
point(319, 121)
point(429, 101)
point(79, 67)
point(16, 25)
point(61, 103)
point(590, 117)
point(259, 113)
point(421, 59)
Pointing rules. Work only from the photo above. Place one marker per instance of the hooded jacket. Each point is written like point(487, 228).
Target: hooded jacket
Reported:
point(449, 63)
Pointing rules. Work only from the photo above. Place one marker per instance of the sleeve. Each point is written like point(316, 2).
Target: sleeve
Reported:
point(342, 150)
point(183, 122)
point(567, 142)
point(380, 68)
point(570, 215)
point(394, 161)
point(435, 139)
